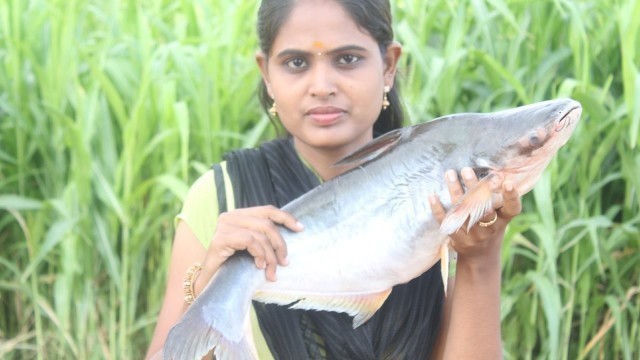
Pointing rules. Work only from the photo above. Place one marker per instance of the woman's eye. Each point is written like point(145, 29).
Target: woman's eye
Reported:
point(296, 63)
point(348, 59)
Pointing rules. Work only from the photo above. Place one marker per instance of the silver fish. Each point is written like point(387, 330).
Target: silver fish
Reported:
point(372, 228)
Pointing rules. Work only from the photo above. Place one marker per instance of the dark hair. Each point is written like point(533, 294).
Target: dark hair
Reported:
point(374, 16)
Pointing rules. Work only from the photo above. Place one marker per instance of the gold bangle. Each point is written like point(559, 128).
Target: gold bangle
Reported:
point(189, 281)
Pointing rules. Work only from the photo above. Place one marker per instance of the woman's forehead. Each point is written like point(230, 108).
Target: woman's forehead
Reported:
point(320, 25)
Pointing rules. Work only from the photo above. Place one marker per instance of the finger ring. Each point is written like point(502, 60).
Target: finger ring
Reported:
point(489, 223)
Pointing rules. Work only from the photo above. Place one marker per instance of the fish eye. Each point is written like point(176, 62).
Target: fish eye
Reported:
point(534, 140)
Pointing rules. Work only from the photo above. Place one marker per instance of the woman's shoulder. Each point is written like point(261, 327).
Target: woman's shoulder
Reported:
point(204, 182)
point(202, 204)
point(213, 184)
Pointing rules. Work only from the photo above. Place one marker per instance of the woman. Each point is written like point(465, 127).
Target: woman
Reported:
point(328, 69)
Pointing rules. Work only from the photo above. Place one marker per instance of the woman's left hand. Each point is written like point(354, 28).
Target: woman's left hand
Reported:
point(471, 321)
point(480, 241)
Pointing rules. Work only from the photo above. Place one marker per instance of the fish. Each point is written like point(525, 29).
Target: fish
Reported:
point(375, 224)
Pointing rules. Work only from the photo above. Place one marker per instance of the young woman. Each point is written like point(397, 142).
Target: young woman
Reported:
point(328, 69)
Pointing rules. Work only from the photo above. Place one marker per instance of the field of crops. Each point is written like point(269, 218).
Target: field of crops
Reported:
point(110, 109)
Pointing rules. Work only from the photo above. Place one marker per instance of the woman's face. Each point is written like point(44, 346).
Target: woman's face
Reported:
point(327, 77)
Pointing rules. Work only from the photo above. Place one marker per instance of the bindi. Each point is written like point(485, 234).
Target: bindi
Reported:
point(318, 46)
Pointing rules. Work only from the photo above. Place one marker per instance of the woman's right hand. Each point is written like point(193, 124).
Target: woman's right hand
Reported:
point(254, 229)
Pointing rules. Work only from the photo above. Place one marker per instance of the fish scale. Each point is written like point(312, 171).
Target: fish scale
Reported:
point(371, 228)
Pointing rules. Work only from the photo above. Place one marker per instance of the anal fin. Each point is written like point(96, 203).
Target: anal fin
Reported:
point(361, 306)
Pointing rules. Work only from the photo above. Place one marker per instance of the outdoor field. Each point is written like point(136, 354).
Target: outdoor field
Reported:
point(109, 110)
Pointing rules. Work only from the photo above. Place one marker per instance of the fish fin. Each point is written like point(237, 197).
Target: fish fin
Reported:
point(376, 147)
point(444, 264)
point(203, 337)
point(216, 321)
point(361, 306)
point(472, 206)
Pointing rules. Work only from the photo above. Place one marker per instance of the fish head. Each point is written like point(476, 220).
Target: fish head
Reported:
point(531, 136)
point(514, 145)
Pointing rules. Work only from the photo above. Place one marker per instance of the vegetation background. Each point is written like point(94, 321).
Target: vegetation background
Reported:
point(110, 109)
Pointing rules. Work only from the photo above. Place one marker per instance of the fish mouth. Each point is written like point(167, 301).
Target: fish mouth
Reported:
point(567, 119)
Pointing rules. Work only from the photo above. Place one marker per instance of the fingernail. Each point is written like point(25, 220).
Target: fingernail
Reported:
point(285, 261)
point(451, 176)
point(432, 199)
point(467, 174)
point(299, 225)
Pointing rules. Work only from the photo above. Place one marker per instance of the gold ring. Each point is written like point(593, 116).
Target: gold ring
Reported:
point(489, 223)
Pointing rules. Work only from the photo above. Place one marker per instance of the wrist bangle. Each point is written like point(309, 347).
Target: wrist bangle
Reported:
point(189, 281)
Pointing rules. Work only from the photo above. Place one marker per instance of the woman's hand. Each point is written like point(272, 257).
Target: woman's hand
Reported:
point(253, 229)
point(471, 323)
point(480, 241)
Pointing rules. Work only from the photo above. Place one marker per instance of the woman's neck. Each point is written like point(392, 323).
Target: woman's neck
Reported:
point(322, 161)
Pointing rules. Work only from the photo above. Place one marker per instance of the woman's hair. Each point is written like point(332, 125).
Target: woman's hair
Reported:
point(374, 16)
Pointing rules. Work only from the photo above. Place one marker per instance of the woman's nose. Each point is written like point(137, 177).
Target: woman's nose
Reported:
point(323, 80)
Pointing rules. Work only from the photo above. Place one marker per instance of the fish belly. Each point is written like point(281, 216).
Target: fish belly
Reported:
point(367, 252)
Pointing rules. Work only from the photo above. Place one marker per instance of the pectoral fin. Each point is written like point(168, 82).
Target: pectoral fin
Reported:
point(359, 305)
point(472, 206)
point(444, 264)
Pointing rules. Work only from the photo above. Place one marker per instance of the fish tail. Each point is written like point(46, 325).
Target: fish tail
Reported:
point(218, 320)
point(201, 338)
point(244, 350)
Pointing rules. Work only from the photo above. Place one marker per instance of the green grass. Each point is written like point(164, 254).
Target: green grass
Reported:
point(110, 109)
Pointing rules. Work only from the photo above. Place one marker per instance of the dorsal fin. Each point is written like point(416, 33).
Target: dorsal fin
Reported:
point(376, 147)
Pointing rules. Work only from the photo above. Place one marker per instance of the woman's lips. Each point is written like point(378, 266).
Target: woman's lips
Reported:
point(325, 115)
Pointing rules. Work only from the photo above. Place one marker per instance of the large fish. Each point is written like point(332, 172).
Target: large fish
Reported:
point(374, 222)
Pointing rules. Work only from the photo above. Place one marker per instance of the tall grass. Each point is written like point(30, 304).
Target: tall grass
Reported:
point(110, 109)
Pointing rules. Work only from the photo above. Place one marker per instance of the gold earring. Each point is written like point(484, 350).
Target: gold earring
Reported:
point(273, 110)
point(385, 101)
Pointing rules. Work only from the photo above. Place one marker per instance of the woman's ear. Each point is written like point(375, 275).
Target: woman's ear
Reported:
point(391, 57)
point(263, 63)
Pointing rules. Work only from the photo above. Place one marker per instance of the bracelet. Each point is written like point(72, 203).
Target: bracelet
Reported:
point(189, 281)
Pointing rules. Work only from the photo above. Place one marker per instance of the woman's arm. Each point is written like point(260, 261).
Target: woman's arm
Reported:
point(251, 229)
point(186, 251)
point(471, 319)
